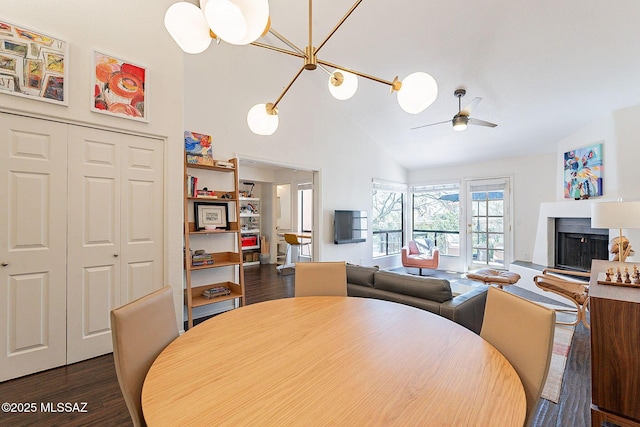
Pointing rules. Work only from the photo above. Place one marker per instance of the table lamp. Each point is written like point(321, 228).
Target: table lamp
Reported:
point(618, 215)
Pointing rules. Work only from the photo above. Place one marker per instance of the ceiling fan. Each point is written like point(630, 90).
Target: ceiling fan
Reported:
point(462, 119)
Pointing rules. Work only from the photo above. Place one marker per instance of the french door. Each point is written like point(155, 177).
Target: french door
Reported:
point(488, 223)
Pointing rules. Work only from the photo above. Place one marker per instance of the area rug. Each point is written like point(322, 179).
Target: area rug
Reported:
point(561, 347)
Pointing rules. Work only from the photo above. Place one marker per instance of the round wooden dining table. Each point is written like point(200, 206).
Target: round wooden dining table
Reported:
point(331, 361)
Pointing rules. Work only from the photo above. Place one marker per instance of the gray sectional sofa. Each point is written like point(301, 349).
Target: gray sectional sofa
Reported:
point(427, 293)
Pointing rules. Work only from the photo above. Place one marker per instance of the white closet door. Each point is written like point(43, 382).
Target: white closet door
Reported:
point(33, 239)
point(142, 217)
point(116, 220)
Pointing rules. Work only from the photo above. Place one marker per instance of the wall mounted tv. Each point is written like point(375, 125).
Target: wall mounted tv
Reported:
point(349, 226)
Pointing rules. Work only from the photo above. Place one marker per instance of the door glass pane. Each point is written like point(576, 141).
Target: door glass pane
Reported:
point(488, 226)
point(496, 224)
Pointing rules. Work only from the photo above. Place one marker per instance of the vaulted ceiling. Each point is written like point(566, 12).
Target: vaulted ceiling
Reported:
point(543, 68)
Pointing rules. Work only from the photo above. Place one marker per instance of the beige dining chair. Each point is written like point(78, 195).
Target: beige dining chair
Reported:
point(523, 332)
point(321, 279)
point(140, 330)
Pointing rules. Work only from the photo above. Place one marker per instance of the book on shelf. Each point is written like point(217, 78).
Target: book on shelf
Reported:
point(201, 263)
point(218, 291)
point(192, 185)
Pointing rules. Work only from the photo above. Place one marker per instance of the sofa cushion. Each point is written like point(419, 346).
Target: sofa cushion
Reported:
point(360, 275)
point(430, 288)
point(413, 248)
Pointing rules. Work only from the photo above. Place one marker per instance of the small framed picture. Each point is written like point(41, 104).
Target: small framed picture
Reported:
point(210, 216)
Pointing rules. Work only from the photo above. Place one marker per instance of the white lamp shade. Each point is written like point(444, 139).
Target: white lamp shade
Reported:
point(225, 19)
point(237, 21)
point(347, 88)
point(615, 214)
point(418, 91)
point(260, 122)
point(188, 27)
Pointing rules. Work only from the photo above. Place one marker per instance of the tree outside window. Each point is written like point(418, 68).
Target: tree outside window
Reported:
point(388, 213)
point(436, 218)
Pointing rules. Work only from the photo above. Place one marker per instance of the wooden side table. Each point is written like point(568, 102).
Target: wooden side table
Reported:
point(615, 340)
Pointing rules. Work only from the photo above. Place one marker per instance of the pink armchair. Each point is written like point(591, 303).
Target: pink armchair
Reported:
point(411, 257)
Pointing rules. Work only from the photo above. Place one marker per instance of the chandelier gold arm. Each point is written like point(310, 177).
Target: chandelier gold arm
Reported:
point(278, 49)
point(395, 84)
point(344, 18)
point(275, 104)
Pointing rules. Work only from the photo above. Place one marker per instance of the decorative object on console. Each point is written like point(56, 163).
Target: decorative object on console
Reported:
point(33, 65)
point(241, 22)
point(198, 148)
point(619, 214)
point(119, 88)
point(583, 172)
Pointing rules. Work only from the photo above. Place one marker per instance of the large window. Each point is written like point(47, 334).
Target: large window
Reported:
point(436, 217)
point(388, 214)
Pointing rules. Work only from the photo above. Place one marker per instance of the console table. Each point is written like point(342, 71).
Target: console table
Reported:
point(615, 340)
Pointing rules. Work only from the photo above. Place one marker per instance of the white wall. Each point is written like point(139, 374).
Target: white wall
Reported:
point(129, 30)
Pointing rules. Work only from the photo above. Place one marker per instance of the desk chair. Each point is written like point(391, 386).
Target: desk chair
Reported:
point(321, 279)
point(140, 330)
point(523, 332)
point(576, 291)
point(292, 240)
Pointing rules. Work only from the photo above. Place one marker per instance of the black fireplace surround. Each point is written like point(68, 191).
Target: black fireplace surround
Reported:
point(576, 244)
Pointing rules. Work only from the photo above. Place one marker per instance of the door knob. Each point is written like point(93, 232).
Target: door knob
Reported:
point(4, 264)
point(115, 255)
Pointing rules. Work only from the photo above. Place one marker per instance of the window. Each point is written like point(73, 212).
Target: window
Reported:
point(388, 214)
point(436, 217)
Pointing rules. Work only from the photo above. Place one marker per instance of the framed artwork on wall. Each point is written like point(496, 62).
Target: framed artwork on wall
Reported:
point(198, 148)
point(583, 172)
point(33, 65)
point(119, 87)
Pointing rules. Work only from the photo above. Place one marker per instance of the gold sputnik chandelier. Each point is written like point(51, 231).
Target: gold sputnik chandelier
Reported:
point(242, 22)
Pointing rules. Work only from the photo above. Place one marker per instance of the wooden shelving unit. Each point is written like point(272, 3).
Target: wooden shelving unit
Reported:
point(250, 229)
point(224, 245)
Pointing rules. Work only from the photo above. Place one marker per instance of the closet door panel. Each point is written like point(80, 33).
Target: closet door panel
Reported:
point(142, 217)
point(33, 173)
point(94, 240)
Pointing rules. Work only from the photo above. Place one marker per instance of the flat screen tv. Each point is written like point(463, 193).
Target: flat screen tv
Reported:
point(349, 226)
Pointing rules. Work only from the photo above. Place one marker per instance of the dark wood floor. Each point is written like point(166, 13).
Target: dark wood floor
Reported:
point(94, 381)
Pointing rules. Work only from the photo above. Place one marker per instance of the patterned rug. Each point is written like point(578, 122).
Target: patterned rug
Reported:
point(561, 347)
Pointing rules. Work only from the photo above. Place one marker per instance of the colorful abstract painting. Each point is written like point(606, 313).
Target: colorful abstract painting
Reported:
point(583, 172)
point(198, 148)
point(32, 64)
point(119, 87)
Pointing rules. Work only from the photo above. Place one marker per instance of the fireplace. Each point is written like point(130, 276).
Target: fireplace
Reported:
point(576, 243)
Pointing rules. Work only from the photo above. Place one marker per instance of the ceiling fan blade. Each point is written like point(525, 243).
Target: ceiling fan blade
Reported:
point(479, 122)
point(430, 124)
point(466, 111)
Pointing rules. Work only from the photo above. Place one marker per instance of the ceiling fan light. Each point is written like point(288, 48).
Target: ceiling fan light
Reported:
point(261, 120)
point(225, 19)
point(417, 92)
point(460, 123)
point(342, 84)
point(188, 27)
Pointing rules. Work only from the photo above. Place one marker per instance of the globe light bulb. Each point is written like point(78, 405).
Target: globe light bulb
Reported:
point(260, 121)
point(188, 27)
point(342, 84)
point(418, 91)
